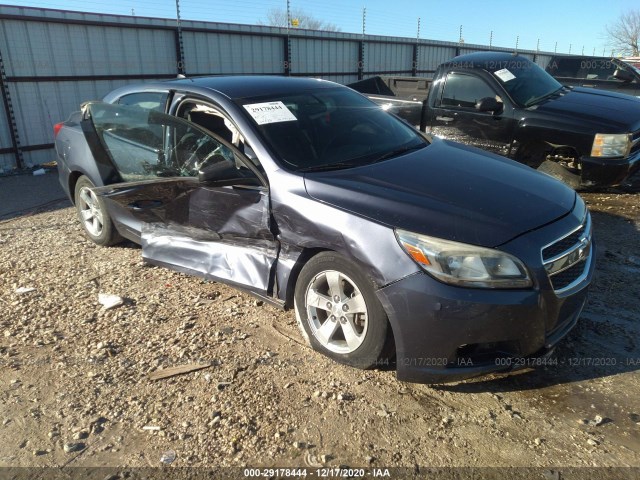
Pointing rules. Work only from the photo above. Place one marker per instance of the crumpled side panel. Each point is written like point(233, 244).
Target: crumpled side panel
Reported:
point(241, 261)
point(243, 213)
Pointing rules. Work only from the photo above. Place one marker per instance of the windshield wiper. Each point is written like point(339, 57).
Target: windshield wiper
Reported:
point(329, 166)
point(399, 151)
point(344, 165)
point(539, 99)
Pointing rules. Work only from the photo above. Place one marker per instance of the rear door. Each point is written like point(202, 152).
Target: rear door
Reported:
point(193, 201)
point(455, 116)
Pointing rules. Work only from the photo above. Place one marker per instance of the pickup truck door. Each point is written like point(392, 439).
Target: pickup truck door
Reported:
point(455, 116)
point(195, 202)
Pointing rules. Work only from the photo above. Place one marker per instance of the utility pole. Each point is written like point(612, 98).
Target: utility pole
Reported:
point(538, 46)
point(418, 35)
point(570, 45)
point(460, 40)
point(517, 42)
point(491, 39)
point(555, 49)
point(582, 49)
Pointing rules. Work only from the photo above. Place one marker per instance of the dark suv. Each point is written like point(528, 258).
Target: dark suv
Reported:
point(596, 72)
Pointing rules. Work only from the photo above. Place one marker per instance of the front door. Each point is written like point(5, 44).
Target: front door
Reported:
point(455, 115)
point(198, 205)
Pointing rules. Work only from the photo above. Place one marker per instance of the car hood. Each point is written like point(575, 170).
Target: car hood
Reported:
point(611, 112)
point(449, 191)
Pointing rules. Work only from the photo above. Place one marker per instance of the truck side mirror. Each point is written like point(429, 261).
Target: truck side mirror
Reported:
point(623, 75)
point(489, 104)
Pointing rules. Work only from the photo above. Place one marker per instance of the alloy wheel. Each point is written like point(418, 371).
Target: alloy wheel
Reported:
point(336, 311)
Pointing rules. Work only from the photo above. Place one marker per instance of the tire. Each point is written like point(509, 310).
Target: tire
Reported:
point(352, 329)
point(93, 215)
point(535, 156)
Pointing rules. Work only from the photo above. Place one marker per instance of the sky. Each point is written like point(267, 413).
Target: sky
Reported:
point(568, 26)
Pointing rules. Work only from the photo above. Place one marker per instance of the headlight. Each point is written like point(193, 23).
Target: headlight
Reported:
point(611, 145)
point(464, 265)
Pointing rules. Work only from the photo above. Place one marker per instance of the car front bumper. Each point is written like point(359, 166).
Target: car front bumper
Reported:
point(600, 172)
point(445, 333)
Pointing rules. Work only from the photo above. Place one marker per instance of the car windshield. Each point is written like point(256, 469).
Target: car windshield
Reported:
point(525, 81)
point(329, 129)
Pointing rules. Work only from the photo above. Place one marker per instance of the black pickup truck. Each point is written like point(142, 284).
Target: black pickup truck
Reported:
point(508, 105)
point(596, 72)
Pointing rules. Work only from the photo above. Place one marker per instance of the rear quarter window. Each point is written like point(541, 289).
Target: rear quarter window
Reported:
point(156, 101)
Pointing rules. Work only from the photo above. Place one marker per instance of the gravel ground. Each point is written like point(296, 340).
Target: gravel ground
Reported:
point(75, 386)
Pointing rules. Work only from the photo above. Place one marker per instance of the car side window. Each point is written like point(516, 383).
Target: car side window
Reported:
point(464, 91)
point(156, 101)
point(145, 144)
point(214, 121)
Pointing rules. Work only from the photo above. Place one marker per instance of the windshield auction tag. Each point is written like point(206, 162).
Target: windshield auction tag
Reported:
point(505, 75)
point(270, 112)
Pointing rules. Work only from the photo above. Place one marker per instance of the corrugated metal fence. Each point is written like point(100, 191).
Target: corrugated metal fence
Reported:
point(54, 60)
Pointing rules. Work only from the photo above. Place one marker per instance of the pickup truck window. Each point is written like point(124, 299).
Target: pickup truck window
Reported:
point(464, 91)
point(526, 82)
point(564, 67)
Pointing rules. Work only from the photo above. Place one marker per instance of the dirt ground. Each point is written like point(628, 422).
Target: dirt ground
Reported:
point(75, 391)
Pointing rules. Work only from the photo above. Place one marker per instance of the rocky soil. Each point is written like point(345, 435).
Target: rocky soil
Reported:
point(75, 387)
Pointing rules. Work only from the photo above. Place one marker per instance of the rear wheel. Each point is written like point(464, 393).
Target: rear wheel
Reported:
point(93, 214)
point(339, 314)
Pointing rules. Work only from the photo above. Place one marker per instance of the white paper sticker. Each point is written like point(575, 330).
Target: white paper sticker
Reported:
point(270, 112)
point(505, 75)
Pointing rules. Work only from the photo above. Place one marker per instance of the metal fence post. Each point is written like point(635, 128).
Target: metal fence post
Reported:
point(11, 118)
point(179, 45)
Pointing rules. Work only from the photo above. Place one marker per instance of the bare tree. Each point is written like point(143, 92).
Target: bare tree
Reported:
point(624, 33)
point(277, 17)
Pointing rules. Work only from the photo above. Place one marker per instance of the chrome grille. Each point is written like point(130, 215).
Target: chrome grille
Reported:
point(567, 260)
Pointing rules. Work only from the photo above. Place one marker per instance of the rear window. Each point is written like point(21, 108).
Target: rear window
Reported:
point(584, 68)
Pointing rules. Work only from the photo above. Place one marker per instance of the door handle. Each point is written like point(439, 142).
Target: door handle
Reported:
point(145, 204)
point(444, 119)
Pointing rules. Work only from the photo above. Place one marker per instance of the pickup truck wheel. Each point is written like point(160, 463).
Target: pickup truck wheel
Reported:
point(338, 312)
point(558, 172)
point(93, 214)
point(535, 155)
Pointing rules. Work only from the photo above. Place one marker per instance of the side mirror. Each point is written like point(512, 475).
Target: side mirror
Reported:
point(623, 75)
point(219, 172)
point(489, 104)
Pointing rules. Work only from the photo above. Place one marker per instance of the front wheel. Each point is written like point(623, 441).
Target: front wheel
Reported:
point(339, 314)
point(93, 215)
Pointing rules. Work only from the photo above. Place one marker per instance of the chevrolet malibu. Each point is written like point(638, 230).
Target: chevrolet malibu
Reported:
point(386, 243)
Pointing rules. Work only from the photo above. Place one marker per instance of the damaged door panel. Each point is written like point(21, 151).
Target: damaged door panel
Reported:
point(196, 204)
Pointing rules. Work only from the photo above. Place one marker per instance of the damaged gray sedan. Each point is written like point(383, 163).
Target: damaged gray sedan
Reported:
point(303, 192)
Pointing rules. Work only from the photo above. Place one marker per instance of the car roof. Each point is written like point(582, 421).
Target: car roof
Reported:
point(236, 87)
point(480, 59)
